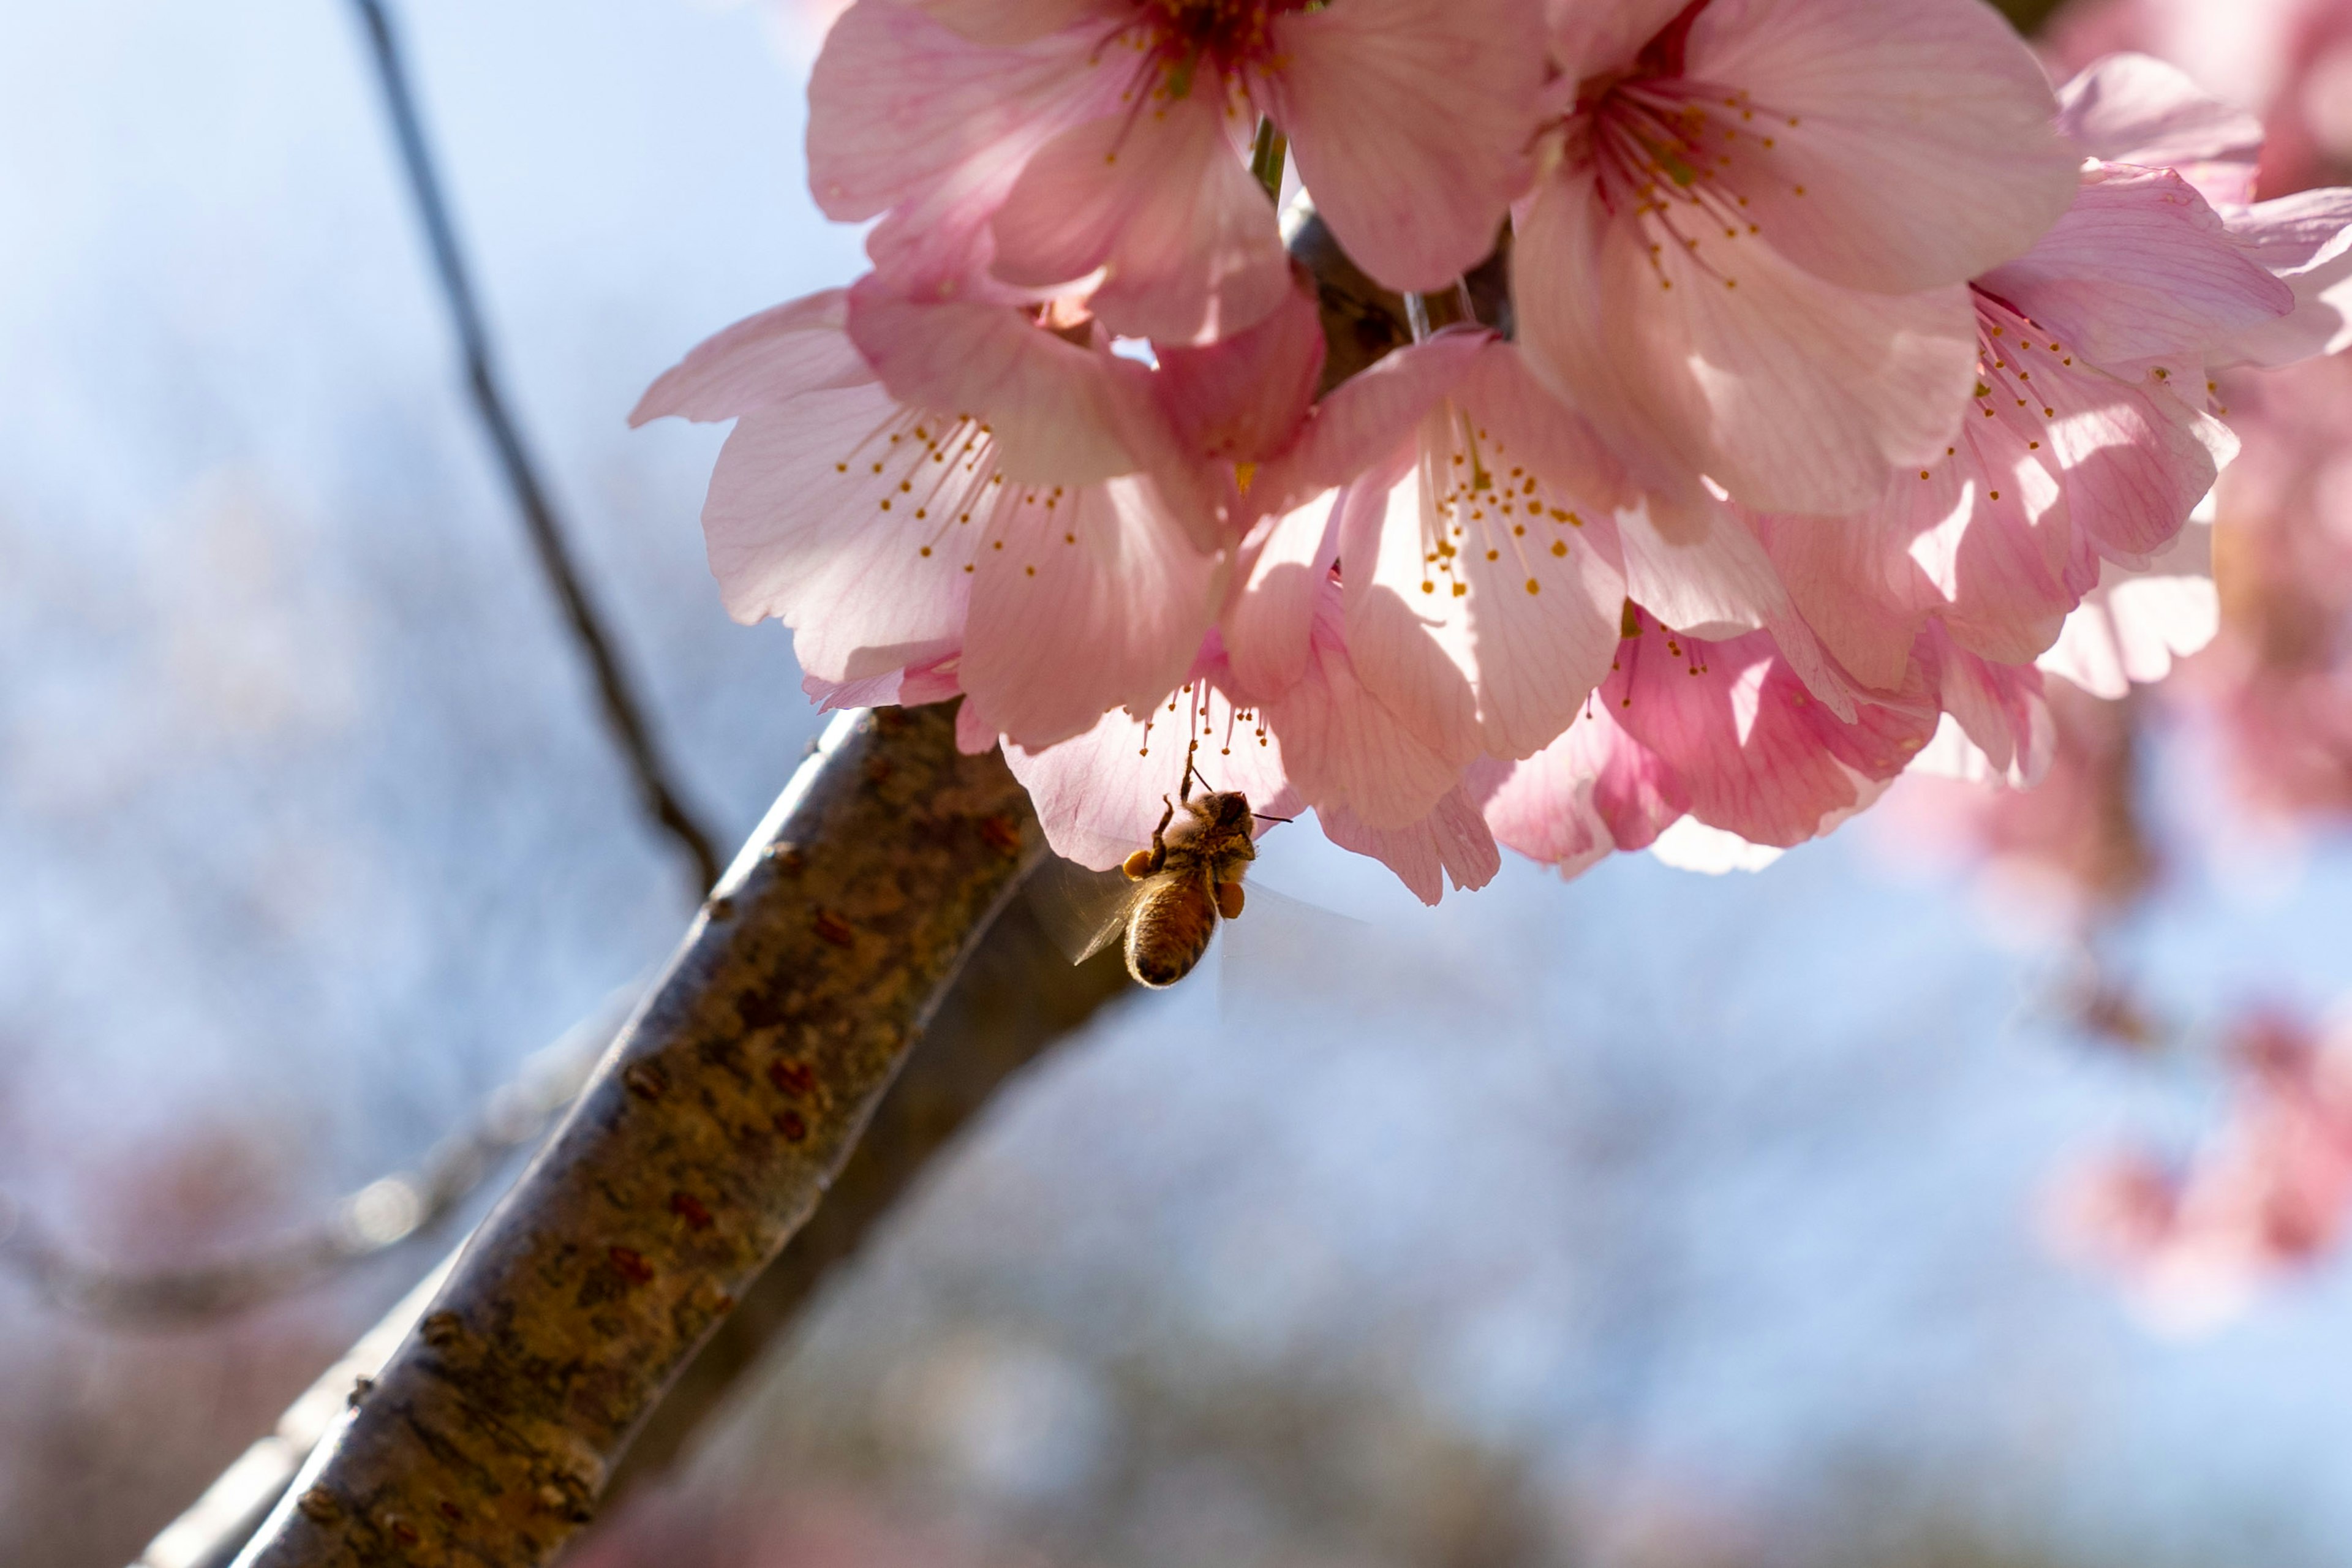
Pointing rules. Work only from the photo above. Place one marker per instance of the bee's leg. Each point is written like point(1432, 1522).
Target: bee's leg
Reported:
point(1184, 790)
point(1160, 837)
point(1229, 899)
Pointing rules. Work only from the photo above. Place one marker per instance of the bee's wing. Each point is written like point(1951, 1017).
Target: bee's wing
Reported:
point(1084, 911)
point(1279, 937)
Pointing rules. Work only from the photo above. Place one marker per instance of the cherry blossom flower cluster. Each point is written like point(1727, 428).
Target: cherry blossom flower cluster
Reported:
point(1846, 370)
point(2267, 1194)
point(2270, 698)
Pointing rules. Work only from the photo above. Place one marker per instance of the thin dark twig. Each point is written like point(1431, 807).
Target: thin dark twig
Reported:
point(386, 1213)
point(622, 710)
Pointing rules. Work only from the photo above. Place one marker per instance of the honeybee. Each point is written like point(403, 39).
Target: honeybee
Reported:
point(1176, 891)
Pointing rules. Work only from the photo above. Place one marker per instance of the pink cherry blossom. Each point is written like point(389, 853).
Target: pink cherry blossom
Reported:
point(2091, 439)
point(2270, 1192)
point(1099, 796)
point(1747, 259)
point(1859, 381)
point(1475, 514)
point(915, 543)
point(1015, 148)
point(1324, 744)
point(1726, 731)
point(2063, 468)
point(2265, 688)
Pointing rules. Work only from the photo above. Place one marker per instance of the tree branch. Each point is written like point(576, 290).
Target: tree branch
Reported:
point(1017, 998)
point(386, 1213)
point(704, 1142)
point(1362, 320)
point(623, 716)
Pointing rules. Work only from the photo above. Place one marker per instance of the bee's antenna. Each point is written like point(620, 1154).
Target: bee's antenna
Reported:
point(1263, 816)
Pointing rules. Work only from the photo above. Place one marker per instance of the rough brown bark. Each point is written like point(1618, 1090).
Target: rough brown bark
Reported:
point(1014, 999)
point(1017, 997)
point(706, 1139)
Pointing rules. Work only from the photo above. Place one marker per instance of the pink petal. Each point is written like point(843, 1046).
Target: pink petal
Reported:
point(1998, 707)
point(1452, 842)
point(1856, 585)
point(1059, 414)
point(1243, 399)
point(2306, 240)
point(1410, 119)
point(801, 526)
point(796, 347)
point(1082, 602)
point(1345, 748)
point(2139, 267)
point(927, 680)
point(1990, 531)
point(1690, 845)
point(1594, 790)
point(1703, 573)
point(1004, 22)
point(2133, 458)
point(1099, 795)
point(1709, 576)
point(910, 119)
point(1487, 615)
point(972, 736)
point(2136, 623)
point(1543, 808)
point(1793, 393)
point(1160, 202)
point(1756, 753)
point(1381, 540)
point(2135, 109)
point(1911, 140)
point(1369, 417)
point(1267, 627)
point(1587, 39)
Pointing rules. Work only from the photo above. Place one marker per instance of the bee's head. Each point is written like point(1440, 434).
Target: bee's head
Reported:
point(1232, 809)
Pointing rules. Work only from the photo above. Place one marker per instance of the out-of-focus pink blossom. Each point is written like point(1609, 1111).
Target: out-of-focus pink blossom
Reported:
point(2289, 62)
point(2277, 684)
point(1748, 255)
point(2132, 109)
point(2066, 853)
point(2268, 1193)
point(1024, 147)
point(671, 1527)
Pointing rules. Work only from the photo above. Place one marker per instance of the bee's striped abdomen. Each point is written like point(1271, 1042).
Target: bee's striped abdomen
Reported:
point(1169, 929)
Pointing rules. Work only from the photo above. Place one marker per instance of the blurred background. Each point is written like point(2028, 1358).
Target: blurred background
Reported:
point(1960, 1191)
